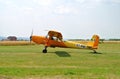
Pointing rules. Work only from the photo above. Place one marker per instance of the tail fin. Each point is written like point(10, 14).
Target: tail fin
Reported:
point(95, 38)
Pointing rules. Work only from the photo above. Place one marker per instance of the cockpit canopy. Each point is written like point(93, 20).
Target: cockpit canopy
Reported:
point(55, 34)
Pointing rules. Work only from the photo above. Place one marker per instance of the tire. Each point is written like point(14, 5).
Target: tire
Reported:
point(44, 51)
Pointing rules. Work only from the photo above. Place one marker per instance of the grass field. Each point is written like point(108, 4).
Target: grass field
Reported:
point(28, 62)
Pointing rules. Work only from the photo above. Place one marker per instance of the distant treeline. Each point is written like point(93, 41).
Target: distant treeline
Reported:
point(14, 38)
point(114, 39)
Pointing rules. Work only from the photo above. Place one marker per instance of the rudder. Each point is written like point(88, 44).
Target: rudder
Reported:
point(95, 38)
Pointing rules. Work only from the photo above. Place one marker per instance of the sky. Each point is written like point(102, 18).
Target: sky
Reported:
point(75, 19)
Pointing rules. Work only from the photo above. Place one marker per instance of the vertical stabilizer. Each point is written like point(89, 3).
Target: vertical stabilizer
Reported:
point(95, 38)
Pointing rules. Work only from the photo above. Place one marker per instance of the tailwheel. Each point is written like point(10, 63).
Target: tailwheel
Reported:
point(45, 50)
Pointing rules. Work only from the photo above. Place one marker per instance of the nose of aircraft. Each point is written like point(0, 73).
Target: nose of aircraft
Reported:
point(38, 39)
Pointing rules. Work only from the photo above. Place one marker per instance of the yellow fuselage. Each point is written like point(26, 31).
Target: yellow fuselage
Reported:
point(65, 44)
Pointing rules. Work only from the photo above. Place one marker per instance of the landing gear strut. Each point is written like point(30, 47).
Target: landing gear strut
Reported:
point(94, 51)
point(45, 50)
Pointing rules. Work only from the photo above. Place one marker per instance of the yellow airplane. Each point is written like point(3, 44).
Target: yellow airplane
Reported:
point(55, 39)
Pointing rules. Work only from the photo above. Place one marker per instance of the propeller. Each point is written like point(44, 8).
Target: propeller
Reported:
point(31, 36)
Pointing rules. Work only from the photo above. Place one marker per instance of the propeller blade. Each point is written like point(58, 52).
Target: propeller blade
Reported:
point(32, 32)
point(30, 39)
point(31, 36)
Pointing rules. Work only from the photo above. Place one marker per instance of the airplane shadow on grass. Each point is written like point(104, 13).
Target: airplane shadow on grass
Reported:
point(96, 53)
point(62, 54)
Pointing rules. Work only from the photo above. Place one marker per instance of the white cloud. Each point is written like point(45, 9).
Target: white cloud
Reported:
point(115, 1)
point(80, 1)
point(8, 3)
point(93, 1)
point(27, 10)
point(88, 3)
point(65, 10)
point(44, 2)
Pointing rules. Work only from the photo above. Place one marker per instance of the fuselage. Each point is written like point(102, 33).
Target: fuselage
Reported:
point(65, 44)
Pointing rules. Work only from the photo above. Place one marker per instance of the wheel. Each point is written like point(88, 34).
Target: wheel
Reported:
point(94, 51)
point(44, 51)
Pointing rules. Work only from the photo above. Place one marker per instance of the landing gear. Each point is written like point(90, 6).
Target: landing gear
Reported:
point(94, 51)
point(45, 50)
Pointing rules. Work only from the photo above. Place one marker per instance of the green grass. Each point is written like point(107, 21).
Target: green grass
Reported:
point(60, 63)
